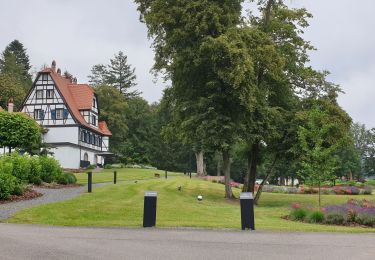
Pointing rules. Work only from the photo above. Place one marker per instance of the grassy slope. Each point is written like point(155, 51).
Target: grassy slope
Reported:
point(122, 175)
point(122, 205)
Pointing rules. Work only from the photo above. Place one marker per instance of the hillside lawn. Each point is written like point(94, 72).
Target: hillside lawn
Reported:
point(121, 205)
point(123, 174)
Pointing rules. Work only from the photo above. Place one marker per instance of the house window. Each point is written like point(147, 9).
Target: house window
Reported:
point(82, 136)
point(93, 120)
point(49, 93)
point(38, 114)
point(44, 77)
point(39, 94)
point(94, 102)
point(59, 113)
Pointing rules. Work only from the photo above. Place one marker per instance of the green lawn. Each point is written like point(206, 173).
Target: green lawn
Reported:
point(123, 174)
point(122, 205)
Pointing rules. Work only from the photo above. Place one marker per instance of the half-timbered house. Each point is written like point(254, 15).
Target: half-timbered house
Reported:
point(69, 113)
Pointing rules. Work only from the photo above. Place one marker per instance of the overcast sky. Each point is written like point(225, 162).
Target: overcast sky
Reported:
point(81, 33)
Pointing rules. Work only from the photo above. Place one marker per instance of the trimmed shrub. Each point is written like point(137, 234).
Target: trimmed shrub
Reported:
point(8, 184)
point(50, 170)
point(335, 219)
point(316, 217)
point(21, 166)
point(35, 171)
point(366, 220)
point(298, 214)
point(67, 178)
point(108, 166)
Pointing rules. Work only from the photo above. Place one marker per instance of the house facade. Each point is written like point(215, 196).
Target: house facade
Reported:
point(69, 114)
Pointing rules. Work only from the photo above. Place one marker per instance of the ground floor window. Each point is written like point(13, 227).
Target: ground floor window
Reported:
point(85, 157)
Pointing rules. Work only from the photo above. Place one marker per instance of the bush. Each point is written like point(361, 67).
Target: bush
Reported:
point(366, 220)
point(91, 167)
point(35, 171)
point(67, 178)
point(50, 169)
point(21, 166)
point(335, 219)
point(298, 214)
point(316, 217)
point(8, 184)
point(108, 166)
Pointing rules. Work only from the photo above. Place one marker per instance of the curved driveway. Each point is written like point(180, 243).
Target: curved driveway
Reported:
point(44, 242)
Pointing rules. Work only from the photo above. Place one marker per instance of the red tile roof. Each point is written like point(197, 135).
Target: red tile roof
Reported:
point(104, 128)
point(77, 97)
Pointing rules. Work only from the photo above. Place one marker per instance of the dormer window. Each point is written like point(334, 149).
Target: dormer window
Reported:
point(93, 120)
point(94, 102)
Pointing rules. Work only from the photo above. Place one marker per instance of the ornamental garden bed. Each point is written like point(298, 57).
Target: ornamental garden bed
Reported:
point(334, 190)
point(351, 213)
point(28, 194)
point(17, 172)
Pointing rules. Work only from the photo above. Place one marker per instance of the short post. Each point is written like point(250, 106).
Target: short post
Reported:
point(114, 177)
point(89, 182)
point(190, 174)
point(247, 210)
point(149, 211)
point(166, 174)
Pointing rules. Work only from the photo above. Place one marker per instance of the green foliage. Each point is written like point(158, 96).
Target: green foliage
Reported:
point(335, 219)
point(50, 169)
point(315, 217)
point(298, 214)
point(35, 170)
point(19, 130)
point(112, 110)
point(366, 220)
point(8, 185)
point(11, 87)
point(66, 178)
point(118, 74)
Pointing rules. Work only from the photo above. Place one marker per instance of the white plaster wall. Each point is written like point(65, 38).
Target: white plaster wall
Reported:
point(67, 156)
point(91, 156)
point(61, 134)
point(105, 143)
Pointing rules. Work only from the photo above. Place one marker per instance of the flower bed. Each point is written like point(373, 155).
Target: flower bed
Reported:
point(338, 190)
point(354, 212)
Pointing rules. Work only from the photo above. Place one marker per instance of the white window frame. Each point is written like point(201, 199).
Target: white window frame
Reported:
point(49, 91)
point(59, 113)
point(39, 91)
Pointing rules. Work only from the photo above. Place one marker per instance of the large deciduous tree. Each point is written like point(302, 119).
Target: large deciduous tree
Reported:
point(187, 44)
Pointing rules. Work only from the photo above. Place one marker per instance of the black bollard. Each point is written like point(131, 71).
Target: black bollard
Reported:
point(166, 174)
point(247, 210)
point(149, 211)
point(89, 182)
point(190, 174)
point(115, 177)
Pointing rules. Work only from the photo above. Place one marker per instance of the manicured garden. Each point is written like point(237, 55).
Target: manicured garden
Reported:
point(122, 205)
point(18, 172)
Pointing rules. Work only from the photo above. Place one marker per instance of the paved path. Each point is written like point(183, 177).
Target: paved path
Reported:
point(43, 242)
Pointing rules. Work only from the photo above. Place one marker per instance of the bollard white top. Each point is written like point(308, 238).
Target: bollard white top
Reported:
point(246, 196)
point(151, 194)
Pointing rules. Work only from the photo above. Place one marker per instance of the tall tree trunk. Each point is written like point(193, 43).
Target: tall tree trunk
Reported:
point(260, 189)
point(319, 194)
point(199, 156)
point(253, 160)
point(350, 175)
point(226, 170)
point(218, 168)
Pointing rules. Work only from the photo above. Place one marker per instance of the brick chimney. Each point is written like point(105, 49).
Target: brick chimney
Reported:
point(10, 105)
point(53, 66)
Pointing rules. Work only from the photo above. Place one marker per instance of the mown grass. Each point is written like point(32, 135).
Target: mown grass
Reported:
point(123, 174)
point(122, 205)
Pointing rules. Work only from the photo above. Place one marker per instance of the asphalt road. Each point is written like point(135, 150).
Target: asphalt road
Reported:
point(43, 242)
